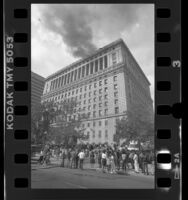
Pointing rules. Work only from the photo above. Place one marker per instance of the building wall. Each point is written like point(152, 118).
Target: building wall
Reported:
point(37, 87)
point(104, 90)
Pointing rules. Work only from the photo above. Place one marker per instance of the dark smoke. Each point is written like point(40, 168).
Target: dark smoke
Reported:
point(74, 28)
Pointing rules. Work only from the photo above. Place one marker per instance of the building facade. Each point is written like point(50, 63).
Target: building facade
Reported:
point(37, 87)
point(105, 85)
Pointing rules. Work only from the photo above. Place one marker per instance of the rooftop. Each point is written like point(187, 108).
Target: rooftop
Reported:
point(88, 57)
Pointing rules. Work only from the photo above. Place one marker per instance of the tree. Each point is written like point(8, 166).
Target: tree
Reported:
point(60, 122)
point(135, 125)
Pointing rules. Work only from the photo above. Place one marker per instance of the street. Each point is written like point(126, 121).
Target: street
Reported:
point(57, 177)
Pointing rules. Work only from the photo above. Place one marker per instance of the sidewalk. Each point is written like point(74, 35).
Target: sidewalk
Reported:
point(54, 163)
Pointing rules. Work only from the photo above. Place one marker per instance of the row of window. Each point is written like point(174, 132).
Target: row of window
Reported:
point(99, 134)
point(99, 112)
point(81, 89)
point(94, 123)
point(81, 72)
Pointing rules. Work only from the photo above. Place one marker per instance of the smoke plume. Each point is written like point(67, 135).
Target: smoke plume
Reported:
point(73, 25)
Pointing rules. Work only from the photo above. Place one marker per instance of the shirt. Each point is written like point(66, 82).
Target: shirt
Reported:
point(103, 155)
point(81, 155)
point(123, 156)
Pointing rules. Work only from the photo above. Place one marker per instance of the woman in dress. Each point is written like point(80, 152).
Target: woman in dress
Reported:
point(136, 165)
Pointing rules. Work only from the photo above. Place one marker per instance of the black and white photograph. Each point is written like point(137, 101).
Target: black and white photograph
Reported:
point(92, 96)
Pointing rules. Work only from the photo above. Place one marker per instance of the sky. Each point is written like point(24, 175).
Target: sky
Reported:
point(64, 33)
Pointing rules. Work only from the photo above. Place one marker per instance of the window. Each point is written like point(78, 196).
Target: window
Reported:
point(69, 94)
point(106, 122)
point(106, 111)
point(100, 104)
point(105, 81)
point(100, 112)
point(84, 101)
point(106, 103)
point(115, 94)
point(93, 123)
point(101, 63)
point(106, 134)
point(68, 81)
point(88, 124)
point(94, 114)
point(75, 74)
point(89, 107)
point(82, 125)
point(83, 71)
point(80, 96)
point(91, 67)
point(116, 101)
point(94, 99)
point(84, 108)
point(93, 134)
point(105, 96)
point(71, 76)
point(88, 114)
point(95, 92)
point(99, 134)
point(95, 85)
point(100, 83)
point(115, 78)
point(100, 123)
point(115, 87)
point(85, 95)
point(73, 92)
point(100, 91)
point(89, 86)
point(100, 98)
point(89, 94)
point(88, 134)
point(87, 69)
point(106, 89)
point(114, 61)
point(89, 100)
point(105, 62)
point(94, 106)
point(85, 87)
point(116, 110)
point(96, 65)
point(79, 73)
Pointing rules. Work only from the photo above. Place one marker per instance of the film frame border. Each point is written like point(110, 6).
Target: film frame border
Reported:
point(167, 98)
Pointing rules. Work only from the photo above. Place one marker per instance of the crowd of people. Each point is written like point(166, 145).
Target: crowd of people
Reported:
point(110, 159)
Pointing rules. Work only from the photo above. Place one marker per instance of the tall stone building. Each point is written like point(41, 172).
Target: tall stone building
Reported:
point(37, 87)
point(105, 84)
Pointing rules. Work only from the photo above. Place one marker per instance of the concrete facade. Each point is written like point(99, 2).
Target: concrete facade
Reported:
point(37, 87)
point(105, 85)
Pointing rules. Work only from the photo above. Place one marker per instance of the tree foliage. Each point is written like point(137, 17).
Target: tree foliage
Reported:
point(59, 122)
point(135, 125)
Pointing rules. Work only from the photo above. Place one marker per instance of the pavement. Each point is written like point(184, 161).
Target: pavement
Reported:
point(54, 176)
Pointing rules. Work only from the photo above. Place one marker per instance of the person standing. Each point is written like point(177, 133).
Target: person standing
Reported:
point(108, 163)
point(136, 165)
point(141, 161)
point(81, 158)
point(76, 159)
point(68, 158)
point(99, 159)
point(63, 156)
point(112, 163)
point(124, 159)
point(145, 164)
point(103, 160)
point(92, 158)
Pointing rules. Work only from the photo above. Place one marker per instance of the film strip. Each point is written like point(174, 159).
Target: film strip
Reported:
point(167, 108)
